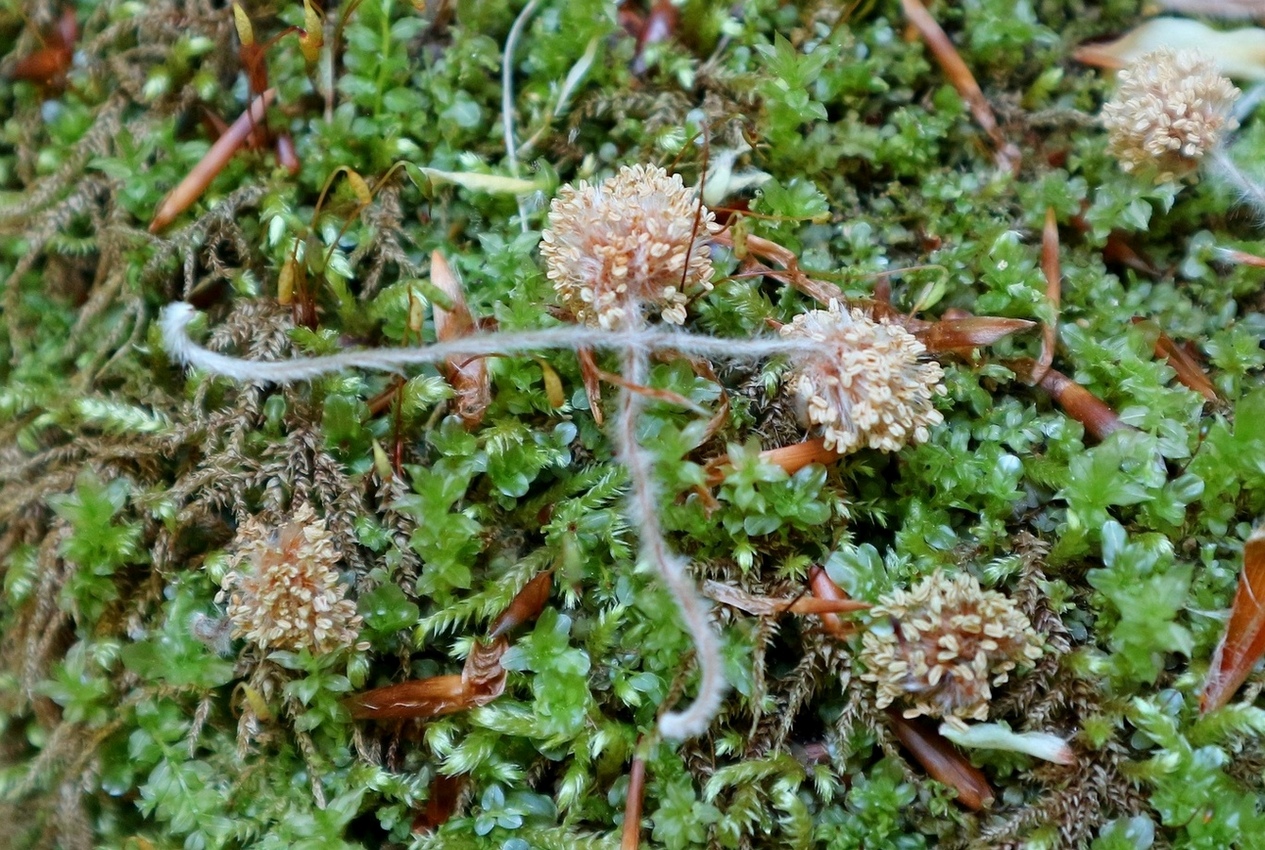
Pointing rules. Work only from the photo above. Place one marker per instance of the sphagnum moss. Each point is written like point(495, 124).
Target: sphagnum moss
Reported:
point(124, 482)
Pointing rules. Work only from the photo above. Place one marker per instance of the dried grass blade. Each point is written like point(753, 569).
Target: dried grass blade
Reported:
point(1244, 641)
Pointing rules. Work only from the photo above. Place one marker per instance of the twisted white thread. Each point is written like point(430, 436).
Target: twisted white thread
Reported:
point(636, 345)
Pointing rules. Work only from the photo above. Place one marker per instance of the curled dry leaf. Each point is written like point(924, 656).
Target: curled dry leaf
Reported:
point(48, 65)
point(993, 736)
point(942, 761)
point(1217, 8)
point(1244, 641)
point(468, 376)
point(195, 182)
point(1239, 54)
point(481, 681)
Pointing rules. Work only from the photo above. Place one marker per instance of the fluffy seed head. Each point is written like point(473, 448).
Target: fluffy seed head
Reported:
point(941, 645)
point(620, 248)
point(865, 386)
point(283, 591)
point(1170, 109)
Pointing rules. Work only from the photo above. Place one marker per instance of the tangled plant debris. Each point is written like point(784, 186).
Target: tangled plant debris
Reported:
point(362, 461)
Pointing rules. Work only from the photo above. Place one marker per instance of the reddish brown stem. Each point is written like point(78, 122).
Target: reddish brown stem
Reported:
point(1053, 292)
point(195, 182)
point(942, 761)
point(631, 837)
point(1006, 155)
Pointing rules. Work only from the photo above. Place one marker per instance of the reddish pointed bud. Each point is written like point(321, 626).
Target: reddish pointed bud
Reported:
point(965, 335)
point(791, 458)
point(286, 154)
point(591, 375)
point(658, 26)
point(441, 803)
point(942, 761)
point(1189, 372)
point(468, 376)
point(820, 583)
point(525, 607)
point(194, 184)
point(1053, 291)
point(1243, 643)
point(48, 65)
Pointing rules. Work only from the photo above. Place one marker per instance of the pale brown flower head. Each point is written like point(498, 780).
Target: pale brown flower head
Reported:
point(1170, 108)
point(865, 386)
point(628, 246)
point(283, 591)
point(941, 645)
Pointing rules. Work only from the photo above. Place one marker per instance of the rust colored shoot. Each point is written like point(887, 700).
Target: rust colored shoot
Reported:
point(481, 681)
point(630, 839)
point(471, 385)
point(822, 587)
point(196, 181)
point(1053, 293)
point(942, 761)
point(1006, 155)
point(1099, 420)
point(524, 607)
point(1243, 643)
point(659, 26)
point(1188, 370)
point(441, 803)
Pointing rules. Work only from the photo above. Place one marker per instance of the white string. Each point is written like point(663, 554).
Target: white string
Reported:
point(636, 345)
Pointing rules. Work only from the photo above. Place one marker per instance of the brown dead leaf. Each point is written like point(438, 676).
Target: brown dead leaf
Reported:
point(1189, 372)
point(468, 376)
point(441, 802)
point(1077, 402)
point(1244, 641)
point(942, 761)
point(481, 681)
point(966, 334)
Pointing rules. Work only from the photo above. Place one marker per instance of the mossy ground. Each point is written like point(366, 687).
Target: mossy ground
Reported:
point(123, 479)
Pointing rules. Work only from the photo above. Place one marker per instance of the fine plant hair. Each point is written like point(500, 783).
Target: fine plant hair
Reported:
point(1248, 188)
point(636, 344)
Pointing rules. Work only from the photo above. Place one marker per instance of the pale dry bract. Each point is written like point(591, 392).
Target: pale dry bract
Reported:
point(866, 384)
point(1170, 109)
point(284, 590)
point(942, 644)
point(632, 244)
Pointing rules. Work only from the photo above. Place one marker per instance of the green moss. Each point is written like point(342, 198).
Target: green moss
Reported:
point(128, 719)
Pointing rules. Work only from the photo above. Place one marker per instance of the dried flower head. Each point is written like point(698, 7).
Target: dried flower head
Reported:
point(942, 643)
point(628, 245)
point(867, 386)
point(283, 591)
point(1170, 109)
